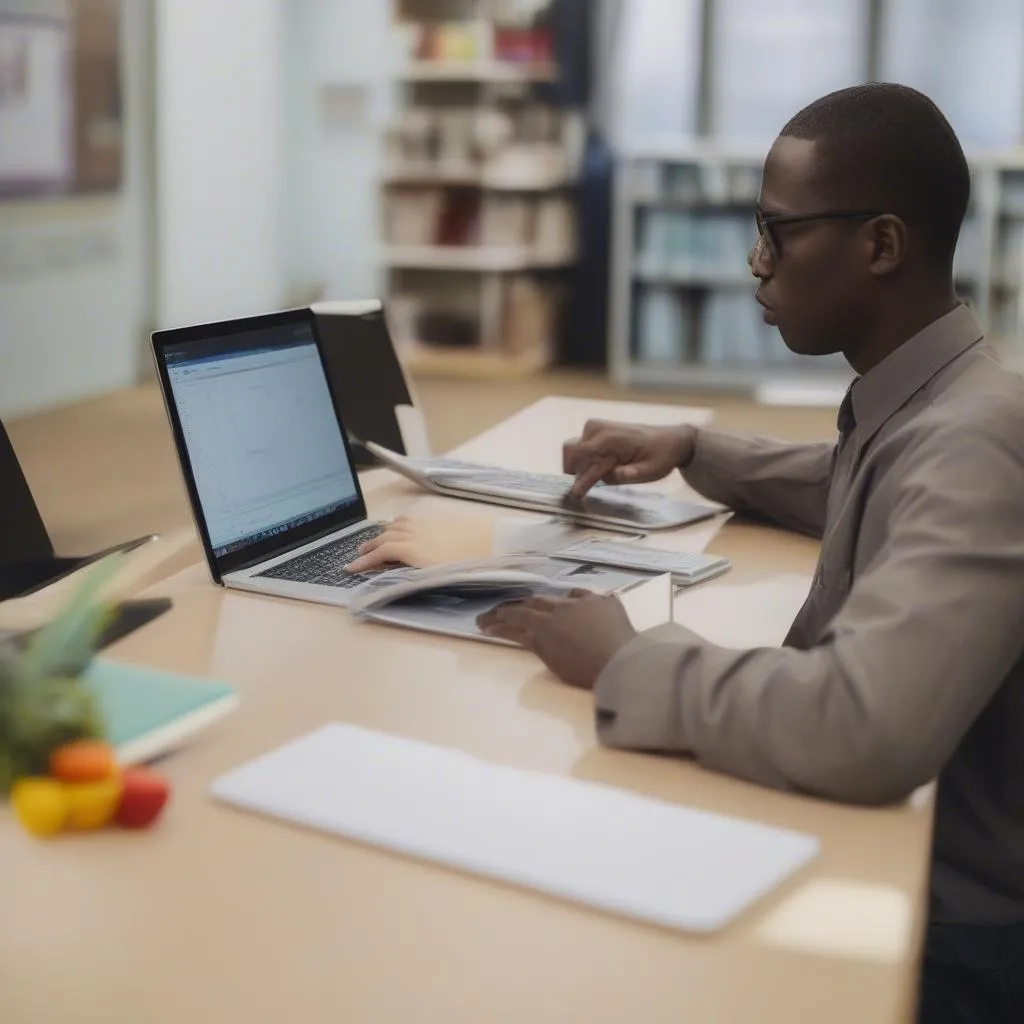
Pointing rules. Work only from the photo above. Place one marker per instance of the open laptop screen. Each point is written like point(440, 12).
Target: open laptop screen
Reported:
point(267, 458)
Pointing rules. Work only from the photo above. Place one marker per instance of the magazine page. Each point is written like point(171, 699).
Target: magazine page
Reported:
point(449, 599)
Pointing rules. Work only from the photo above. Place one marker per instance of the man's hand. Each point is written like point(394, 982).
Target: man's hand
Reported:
point(575, 636)
point(626, 453)
point(426, 542)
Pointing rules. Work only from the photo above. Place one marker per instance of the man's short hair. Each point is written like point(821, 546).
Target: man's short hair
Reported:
point(889, 148)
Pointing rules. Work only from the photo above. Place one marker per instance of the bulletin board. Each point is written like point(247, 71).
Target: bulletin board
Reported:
point(61, 113)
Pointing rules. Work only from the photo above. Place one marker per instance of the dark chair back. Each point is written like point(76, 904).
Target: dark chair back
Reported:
point(23, 536)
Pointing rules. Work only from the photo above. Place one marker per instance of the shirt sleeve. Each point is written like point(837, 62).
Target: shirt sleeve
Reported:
point(785, 483)
point(931, 629)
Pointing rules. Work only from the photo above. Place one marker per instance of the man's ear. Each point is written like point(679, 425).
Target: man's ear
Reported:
point(888, 239)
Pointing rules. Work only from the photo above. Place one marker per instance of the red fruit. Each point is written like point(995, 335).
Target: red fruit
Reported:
point(143, 797)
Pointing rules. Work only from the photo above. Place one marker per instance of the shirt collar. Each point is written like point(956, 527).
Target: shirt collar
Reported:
point(897, 378)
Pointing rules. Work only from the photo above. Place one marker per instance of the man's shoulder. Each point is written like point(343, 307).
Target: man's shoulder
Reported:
point(986, 402)
point(978, 419)
point(979, 453)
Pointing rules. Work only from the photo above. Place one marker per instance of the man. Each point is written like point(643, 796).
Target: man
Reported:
point(905, 663)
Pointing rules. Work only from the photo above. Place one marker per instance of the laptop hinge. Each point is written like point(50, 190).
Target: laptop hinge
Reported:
point(319, 535)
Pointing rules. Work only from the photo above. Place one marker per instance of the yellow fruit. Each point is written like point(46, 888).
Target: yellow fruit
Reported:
point(92, 804)
point(41, 804)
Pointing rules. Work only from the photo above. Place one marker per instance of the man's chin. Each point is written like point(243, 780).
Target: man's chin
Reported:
point(806, 346)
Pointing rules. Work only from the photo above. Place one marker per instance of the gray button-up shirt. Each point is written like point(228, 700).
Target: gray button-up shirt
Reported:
point(906, 662)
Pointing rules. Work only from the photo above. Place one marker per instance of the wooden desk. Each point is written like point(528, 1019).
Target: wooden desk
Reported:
point(219, 916)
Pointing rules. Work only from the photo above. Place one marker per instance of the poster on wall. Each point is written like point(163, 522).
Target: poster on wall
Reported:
point(61, 118)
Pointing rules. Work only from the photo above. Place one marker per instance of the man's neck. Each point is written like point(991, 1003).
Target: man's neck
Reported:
point(901, 323)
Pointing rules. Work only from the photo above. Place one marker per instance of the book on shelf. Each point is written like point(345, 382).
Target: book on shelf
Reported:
point(704, 245)
point(662, 326)
point(510, 40)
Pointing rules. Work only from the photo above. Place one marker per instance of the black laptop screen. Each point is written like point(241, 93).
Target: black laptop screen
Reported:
point(266, 453)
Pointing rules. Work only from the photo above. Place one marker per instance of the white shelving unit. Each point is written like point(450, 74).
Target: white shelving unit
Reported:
point(478, 196)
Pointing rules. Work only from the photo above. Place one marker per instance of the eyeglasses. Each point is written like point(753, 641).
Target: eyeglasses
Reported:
point(766, 224)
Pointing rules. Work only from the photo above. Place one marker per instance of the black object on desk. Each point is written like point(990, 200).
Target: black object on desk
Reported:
point(27, 558)
point(128, 617)
point(365, 373)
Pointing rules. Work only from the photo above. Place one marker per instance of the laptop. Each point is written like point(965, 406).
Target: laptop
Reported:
point(266, 462)
point(616, 508)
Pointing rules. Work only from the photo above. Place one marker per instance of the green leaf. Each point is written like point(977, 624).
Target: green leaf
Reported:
point(65, 645)
point(42, 702)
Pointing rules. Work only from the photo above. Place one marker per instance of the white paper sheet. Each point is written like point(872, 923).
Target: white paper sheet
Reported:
point(599, 846)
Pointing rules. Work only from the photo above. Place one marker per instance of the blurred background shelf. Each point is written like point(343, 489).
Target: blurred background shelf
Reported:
point(481, 258)
point(694, 279)
point(478, 194)
point(476, 71)
point(475, 177)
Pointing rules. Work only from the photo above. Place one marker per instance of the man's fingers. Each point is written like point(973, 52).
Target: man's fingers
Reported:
point(643, 471)
point(592, 473)
point(569, 454)
point(364, 563)
point(593, 427)
point(516, 614)
point(578, 592)
point(577, 452)
point(502, 631)
point(388, 553)
point(371, 545)
point(398, 530)
point(494, 615)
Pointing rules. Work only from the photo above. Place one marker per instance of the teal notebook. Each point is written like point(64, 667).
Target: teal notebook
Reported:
point(148, 713)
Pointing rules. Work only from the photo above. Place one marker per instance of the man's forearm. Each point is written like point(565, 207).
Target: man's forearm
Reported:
point(785, 483)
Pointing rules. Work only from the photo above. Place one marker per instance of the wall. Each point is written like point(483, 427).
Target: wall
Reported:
point(332, 169)
point(74, 279)
point(244, 196)
point(219, 185)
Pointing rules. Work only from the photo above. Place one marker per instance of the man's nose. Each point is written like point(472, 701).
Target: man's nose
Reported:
point(759, 260)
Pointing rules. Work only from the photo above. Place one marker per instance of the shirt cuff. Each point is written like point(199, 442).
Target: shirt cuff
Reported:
point(637, 698)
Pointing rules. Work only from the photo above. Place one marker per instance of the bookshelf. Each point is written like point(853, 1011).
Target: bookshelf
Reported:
point(477, 196)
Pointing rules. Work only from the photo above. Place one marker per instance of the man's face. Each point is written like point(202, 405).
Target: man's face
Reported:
point(813, 274)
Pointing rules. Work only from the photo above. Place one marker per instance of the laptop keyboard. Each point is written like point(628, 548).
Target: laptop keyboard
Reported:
point(325, 566)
